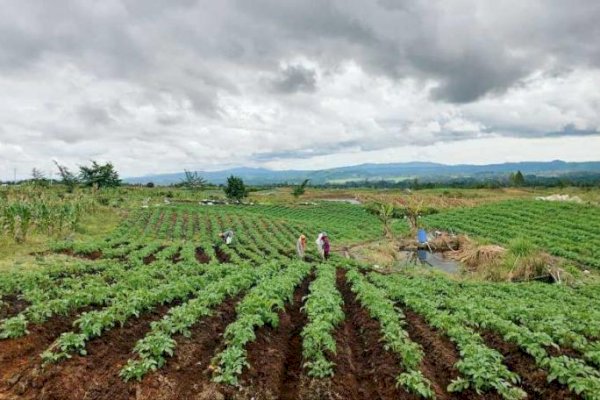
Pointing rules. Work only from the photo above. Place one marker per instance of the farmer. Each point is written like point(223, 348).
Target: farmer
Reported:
point(323, 245)
point(301, 247)
point(227, 236)
point(319, 243)
point(326, 246)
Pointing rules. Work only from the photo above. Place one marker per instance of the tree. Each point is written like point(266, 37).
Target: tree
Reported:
point(517, 179)
point(38, 178)
point(235, 188)
point(193, 181)
point(299, 190)
point(68, 178)
point(99, 176)
point(385, 213)
point(150, 184)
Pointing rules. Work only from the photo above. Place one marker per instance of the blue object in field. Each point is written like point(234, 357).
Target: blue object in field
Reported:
point(422, 236)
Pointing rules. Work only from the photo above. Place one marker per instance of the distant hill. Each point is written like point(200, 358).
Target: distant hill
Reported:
point(393, 171)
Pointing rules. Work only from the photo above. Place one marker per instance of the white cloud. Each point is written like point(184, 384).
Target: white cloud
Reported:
point(207, 85)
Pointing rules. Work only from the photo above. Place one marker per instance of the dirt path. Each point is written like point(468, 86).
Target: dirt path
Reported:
point(19, 356)
point(439, 359)
point(187, 375)
point(364, 369)
point(275, 357)
point(534, 379)
point(94, 376)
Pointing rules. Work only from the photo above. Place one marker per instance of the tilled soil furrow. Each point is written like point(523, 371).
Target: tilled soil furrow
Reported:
point(11, 305)
point(201, 256)
point(439, 359)
point(222, 257)
point(364, 369)
point(150, 258)
point(534, 379)
point(95, 375)
point(94, 255)
point(19, 356)
point(188, 374)
point(275, 357)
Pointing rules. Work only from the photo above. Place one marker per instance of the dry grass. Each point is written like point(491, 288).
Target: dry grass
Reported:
point(473, 256)
point(382, 252)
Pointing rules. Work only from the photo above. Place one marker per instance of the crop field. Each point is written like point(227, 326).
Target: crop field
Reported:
point(161, 309)
point(564, 229)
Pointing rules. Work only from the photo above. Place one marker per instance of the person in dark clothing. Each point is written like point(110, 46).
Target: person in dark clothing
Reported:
point(326, 247)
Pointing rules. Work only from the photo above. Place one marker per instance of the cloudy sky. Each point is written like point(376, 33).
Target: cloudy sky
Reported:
point(159, 86)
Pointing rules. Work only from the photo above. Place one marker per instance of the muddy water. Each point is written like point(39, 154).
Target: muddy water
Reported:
point(343, 200)
point(431, 260)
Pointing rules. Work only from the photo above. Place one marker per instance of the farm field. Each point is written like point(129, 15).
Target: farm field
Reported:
point(160, 309)
point(564, 229)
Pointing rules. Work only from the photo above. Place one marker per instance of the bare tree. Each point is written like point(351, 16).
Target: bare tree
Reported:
point(68, 178)
point(193, 181)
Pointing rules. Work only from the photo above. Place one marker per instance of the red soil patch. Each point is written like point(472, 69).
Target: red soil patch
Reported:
point(221, 255)
point(275, 357)
point(152, 257)
point(187, 375)
point(17, 356)
point(11, 305)
point(534, 379)
point(201, 256)
point(94, 376)
point(439, 359)
point(364, 369)
point(563, 351)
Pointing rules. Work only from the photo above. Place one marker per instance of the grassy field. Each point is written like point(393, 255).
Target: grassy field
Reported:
point(148, 303)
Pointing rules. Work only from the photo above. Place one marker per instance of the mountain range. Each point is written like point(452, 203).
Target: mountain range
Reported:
point(391, 171)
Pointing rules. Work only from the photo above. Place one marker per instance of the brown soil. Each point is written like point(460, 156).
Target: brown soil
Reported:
point(94, 376)
point(11, 305)
point(439, 359)
point(534, 379)
point(176, 258)
point(184, 225)
point(173, 220)
point(188, 374)
point(364, 369)
point(94, 255)
point(201, 256)
point(563, 351)
point(150, 258)
point(17, 356)
point(221, 255)
point(275, 357)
